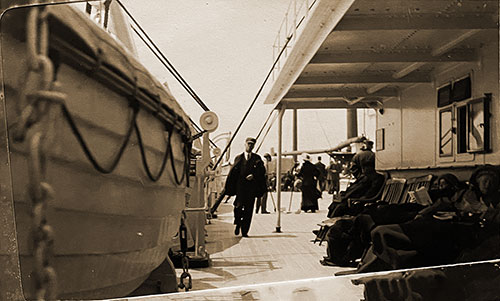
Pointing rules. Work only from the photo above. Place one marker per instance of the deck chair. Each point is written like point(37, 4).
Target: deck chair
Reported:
point(393, 190)
point(415, 183)
point(391, 194)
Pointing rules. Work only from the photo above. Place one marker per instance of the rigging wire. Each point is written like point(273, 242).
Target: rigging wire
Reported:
point(267, 132)
point(165, 61)
point(199, 129)
point(323, 129)
point(264, 125)
point(155, 52)
point(253, 102)
point(166, 66)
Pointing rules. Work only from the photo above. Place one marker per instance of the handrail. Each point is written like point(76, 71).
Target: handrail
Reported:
point(298, 11)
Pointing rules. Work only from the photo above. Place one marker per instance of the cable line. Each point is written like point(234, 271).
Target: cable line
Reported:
point(166, 66)
point(323, 129)
point(267, 132)
point(253, 102)
point(264, 125)
point(170, 67)
point(183, 84)
point(200, 130)
point(166, 63)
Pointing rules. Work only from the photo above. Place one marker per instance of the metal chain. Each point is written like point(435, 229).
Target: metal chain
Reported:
point(185, 259)
point(39, 114)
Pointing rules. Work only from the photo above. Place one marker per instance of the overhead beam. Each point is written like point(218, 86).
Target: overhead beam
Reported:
point(323, 104)
point(437, 51)
point(407, 70)
point(375, 88)
point(403, 56)
point(343, 92)
point(420, 77)
point(416, 21)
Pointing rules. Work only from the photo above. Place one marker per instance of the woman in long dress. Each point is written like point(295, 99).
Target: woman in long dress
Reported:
point(309, 175)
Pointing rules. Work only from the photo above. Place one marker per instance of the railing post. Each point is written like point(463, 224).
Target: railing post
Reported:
point(294, 19)
point(274, 57)
point(286, 34)
point(278, 167)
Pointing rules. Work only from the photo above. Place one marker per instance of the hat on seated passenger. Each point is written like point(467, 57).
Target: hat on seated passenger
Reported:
point(306, 157)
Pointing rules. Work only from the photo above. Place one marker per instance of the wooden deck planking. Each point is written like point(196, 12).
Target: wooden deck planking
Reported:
point(265, 256)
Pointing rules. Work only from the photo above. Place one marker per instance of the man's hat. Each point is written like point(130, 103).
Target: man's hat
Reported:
point(267, 155)
point(250, 139)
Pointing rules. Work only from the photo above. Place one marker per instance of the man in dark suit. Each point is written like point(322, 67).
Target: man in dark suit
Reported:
point(363, 161)
point(262, 201)
point(247, 181)
point(322, 173)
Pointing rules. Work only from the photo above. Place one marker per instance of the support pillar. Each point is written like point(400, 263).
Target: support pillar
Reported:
point(294, 133)
point(352, 123)
point(278, 167)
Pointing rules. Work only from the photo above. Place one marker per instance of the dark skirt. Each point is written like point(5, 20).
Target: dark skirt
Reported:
point(309, 198)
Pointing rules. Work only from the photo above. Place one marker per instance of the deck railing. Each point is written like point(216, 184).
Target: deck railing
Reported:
point(296, 15)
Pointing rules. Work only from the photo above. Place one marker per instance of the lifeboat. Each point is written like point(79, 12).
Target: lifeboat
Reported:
point(98, 157)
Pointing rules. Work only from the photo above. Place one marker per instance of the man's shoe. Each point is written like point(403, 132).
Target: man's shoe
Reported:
point(265, 212)
point(237, 230)
point(327, 262)
point(244, 235)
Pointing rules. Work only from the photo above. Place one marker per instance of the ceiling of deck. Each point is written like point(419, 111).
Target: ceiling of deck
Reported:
point(380, 48)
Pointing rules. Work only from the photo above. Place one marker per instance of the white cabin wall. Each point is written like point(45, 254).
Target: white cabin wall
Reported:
point(411, 124)
point(390, 121)
point(418, 119)
point(484, 75)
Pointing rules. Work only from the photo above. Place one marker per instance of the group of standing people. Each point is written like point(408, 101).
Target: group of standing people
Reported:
point(247, 180)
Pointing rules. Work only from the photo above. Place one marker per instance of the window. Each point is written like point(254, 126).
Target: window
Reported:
point(445, 133)
point(478, 125)
point(465, 127)
point(454, 92)
point(461, 89)
point(444, 96)
point(461, 129)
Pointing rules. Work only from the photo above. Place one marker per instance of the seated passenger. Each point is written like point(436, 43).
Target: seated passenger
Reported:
point(440, 238)
point(368, 185)
point(350, 237)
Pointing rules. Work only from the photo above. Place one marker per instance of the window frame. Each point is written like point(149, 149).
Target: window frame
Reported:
point(484, 103)
point(448, 109)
